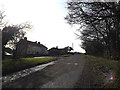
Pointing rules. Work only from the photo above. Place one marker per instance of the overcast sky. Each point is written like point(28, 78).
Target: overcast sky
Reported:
point(47, 18)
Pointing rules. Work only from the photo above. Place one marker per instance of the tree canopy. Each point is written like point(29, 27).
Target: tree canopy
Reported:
point(99, 24)
point(11, 34)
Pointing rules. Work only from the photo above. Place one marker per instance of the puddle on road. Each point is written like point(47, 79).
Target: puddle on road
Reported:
point(68, 63)
point(75, 63)
point(23, 73)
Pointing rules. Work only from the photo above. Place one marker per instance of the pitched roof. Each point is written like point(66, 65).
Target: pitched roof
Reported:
point(31, 43)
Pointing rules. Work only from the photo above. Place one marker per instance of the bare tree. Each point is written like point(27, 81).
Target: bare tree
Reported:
point(100, 22)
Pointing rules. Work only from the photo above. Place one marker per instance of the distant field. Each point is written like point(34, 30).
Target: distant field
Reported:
point(107, 71)
point(13, 65)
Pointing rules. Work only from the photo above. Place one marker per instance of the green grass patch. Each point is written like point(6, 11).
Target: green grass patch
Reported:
point(66, 55)
point(13, 65)
point(104, 69)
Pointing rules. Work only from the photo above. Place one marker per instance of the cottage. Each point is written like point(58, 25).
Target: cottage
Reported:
point(56, 52)
point(26, 48)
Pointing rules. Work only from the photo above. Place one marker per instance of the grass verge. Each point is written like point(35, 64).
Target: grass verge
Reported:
point(14, 65)
point(107, 71)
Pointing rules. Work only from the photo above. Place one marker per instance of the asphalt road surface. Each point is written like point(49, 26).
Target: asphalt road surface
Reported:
point(64, 73)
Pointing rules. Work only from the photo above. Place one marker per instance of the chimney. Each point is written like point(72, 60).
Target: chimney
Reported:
point(38, 42)
point(25, 38)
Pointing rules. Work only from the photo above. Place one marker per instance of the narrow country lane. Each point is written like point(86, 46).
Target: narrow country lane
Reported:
point(64, 73)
